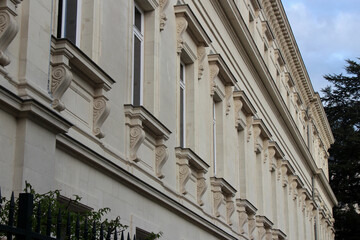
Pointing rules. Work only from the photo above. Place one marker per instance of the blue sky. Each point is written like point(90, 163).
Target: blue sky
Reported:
point(327, 32)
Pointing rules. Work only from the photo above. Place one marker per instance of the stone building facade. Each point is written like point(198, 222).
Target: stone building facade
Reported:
point(196, 118)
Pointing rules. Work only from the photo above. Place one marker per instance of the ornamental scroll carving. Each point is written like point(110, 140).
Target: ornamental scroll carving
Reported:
point(229, 210)
point(272, 160)
point(101, 112)
point(8, 31)
point(228, 94)
point(238, 104)
point(184, 176)
point(284, 175)
point(257, 145)
point(61, 78)
point(137, 136)
point(201, 188)
point(249, 121)
point(181, 25)
point(243, 218)
point(218, 197)
point(161, 156)
point(201, 52)
point(251, 225)
point(293, 189)
point(261, 232)
point(214, 71)
point(163, 18)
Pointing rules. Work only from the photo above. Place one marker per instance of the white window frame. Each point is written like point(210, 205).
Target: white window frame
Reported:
point(183, 87)
point(78, 20)
point(140, 36)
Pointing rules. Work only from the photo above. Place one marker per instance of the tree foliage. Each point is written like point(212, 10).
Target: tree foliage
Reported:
point(342, 106)
point(67, 210)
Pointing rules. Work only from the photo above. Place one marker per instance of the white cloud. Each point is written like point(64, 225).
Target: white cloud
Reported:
point(327, 33)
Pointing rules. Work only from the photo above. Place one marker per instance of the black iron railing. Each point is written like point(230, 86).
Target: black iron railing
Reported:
point(24, 224)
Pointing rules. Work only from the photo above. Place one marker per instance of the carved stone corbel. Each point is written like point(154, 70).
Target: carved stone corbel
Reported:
point(137, 136)
point(61, 78)
point(184, 176)
point(101, 112)
point(201, 52)
point(293, 189)
point(302, 201)
point(251, 225)
point(257, 145)
point(218, 198)
point(181, 25)
point(243, 219)
point(284, 175)
point(163, 18)
point(8, 31)
point(261, 232)
point(238, 104)
point(214, 71)
point(249, 121)
point(228, 94)
point(201, 188)
point(272, 160)
point(161, 156)
point(229, 210)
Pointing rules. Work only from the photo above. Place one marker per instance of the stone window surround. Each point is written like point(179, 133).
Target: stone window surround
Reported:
point(65, 56)
point(222, 190)
point(190, 163)
point(141, 123)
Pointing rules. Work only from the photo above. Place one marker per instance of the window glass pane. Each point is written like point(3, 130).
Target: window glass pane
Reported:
point(181, 72)
point(182, 109)
point(137, 71)
point(138, 17)
point(70, 20)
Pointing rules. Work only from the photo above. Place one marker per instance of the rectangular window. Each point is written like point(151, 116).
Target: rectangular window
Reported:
point(69, 20)
point(138, 52)
point(182, 105)
point(141, 234)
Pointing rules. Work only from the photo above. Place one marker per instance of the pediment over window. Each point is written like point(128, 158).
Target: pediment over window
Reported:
point(223, 70)
point(192, 24)
point(267, 31)
point(264, 131)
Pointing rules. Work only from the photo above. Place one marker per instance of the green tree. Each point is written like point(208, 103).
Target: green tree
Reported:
point(342, 106)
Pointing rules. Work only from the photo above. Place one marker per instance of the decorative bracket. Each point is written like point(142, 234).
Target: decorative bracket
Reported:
point(161, 156)
point(8, 29)
point(101, 112)
point(201, 52)
point(61, 78)
point(137, 136)
point(222, 190)
point(163, 18)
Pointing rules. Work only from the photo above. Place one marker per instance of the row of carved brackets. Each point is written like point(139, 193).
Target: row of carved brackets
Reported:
point(140, 123)
point(190, 163)
point(64, 55)
point(8, 28)
point(223, 193)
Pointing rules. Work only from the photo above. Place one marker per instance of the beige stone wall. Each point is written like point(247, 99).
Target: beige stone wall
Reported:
point(67, 121)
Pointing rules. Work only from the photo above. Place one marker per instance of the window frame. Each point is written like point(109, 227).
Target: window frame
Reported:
point(62, 20)
point(182, 84)
point(139, 34)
